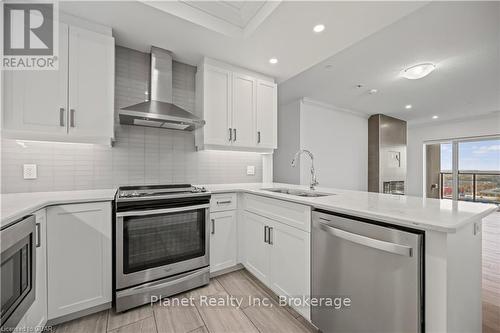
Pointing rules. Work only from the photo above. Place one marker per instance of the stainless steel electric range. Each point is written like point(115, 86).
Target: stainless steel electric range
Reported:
point(161, 239)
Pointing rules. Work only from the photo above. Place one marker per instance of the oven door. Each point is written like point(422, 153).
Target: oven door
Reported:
point(17, 271)
point(157, 243)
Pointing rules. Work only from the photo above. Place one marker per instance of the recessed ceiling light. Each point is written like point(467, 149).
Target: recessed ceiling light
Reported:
point(273, 61)
point(319, 28)
point(373, 91)
point(435, 117)
point(418, 71)
point(408, 106)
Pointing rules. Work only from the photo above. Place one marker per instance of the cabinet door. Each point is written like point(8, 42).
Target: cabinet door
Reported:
point(290, 263)
point(256, 249)
point(222, 240)
point(36, 101)
point(267, 115)
point(244, 99)
point(217, 105)
point(37, 314)
point(91, 83)
point(79, 257)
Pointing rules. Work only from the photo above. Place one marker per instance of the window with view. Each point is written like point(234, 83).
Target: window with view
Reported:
point(478, 171)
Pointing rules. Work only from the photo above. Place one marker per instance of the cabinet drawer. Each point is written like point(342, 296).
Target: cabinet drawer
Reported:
point(292, 214)
point(222, 202)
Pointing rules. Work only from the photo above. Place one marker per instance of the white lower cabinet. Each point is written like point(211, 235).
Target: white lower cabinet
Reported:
point(279, 256)
point(36, 317)
point(256, 249)
point(289, 259)
point(79, 257)
point(222, 240)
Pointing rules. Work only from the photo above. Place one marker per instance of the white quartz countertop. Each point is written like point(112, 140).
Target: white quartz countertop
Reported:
point(416, 212)
point(409, 211)
point(17, 205)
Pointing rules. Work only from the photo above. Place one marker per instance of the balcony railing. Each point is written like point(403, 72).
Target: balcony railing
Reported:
point(473, 185)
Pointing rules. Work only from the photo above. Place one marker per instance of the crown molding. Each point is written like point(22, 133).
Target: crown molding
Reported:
point(313, 102)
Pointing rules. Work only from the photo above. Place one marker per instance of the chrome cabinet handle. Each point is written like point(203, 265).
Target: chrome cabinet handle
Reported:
point(234, 135)
point(230, 135)
point(266, 228)
point(61, 117)
point(270, 236)
point(38, 236)
point(213, 226)
point(258, 136)
point(72, 117)
point(223, 202)
point(401, 250)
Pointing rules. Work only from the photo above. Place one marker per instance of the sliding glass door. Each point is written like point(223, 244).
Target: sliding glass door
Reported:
point(469, 170)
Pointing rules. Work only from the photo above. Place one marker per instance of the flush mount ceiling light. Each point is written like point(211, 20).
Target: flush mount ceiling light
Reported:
point(418, 71)
point(373, 91)
point(435, 117)
point(319, 28)
point(273, 61)
point(408, 106)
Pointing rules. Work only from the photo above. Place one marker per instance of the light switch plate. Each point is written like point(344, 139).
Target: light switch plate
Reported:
point(29, 171)
point(250, 170)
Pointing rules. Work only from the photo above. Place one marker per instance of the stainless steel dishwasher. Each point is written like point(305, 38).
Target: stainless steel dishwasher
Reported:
point(379, 268)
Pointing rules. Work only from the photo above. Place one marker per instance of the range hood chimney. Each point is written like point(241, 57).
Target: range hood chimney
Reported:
point(159, 111)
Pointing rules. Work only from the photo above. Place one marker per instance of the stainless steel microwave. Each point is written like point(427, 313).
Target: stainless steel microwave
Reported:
point(18, 270)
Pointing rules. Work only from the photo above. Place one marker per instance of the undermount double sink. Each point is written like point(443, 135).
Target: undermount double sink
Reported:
point(299, 193)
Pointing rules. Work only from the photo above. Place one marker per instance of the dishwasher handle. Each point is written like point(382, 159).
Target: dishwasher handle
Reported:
point(401, 250)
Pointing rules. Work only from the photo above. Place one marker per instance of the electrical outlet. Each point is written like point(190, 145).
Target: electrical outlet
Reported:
point(29, 171)
point(250, 170)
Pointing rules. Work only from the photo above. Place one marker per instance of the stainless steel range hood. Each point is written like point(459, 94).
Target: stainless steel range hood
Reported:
point(159, 111)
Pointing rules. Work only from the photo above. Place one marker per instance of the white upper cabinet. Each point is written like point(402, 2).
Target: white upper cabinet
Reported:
point(244, 99)
point(72, 104)
point(239, 107)
point(267, 114)
point(217, 99)
point(36, 101)
point(91, 83)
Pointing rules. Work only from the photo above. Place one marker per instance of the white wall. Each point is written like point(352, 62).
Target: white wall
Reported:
point(288, 144)
point(418, 134)
point(339, 141)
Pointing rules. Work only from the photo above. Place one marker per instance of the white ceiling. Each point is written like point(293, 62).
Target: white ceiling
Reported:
point(461, 38)
point(284, 33)
point(231, 18)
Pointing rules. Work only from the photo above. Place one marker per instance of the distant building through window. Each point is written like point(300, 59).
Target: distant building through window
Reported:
point(478, 170)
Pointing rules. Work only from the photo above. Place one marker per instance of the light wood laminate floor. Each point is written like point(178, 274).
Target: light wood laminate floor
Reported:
point(491, 274)
point(199, 318)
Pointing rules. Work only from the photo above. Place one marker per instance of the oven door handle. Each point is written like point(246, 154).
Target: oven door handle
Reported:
point(162, 211)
